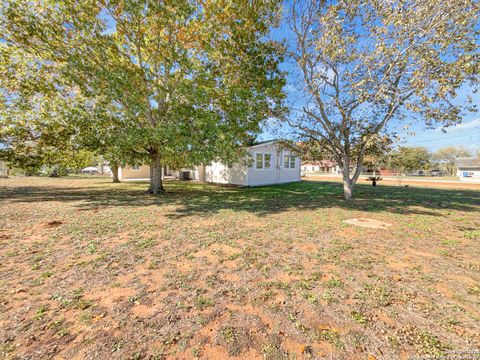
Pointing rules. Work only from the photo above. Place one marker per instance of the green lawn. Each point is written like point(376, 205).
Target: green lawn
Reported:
point(100, 270)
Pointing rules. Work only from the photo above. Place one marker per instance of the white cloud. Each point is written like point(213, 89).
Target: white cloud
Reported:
point(473, 124)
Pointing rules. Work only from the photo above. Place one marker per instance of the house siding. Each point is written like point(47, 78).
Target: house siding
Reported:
point(219, 173)
point(128, 172)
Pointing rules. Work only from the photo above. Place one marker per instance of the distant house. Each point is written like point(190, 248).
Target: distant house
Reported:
point(266, 163)
point(90, 170)
point(468, 169)
point(386, 172)
point(326, 166)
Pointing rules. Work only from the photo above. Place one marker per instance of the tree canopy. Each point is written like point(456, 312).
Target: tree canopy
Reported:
point(191, 81)
point(410, 159)
point(446, 157)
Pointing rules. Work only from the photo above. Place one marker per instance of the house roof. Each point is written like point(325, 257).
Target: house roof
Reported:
point(90, 168)
point(467, 162)
point(258, 143)
point(327, 163)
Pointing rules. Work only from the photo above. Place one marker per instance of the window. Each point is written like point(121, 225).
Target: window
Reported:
point(135, 167)
point(266, 162)
point(259, 161)
point(289, 162)
point(262, 161)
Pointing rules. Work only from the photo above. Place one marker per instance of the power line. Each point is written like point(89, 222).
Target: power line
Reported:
point(443, 139)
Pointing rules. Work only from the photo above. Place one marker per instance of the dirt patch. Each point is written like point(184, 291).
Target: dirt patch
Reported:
point(5, 236)
point(368, 223)
point(52, 223)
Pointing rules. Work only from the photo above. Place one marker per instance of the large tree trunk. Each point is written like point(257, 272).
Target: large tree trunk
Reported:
point(156, 186)
point(347, 185)
point(349, 182)
point(114, 169)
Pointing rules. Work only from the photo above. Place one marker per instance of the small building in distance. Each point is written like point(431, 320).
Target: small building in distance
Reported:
point(468, 169)
point(323, 166)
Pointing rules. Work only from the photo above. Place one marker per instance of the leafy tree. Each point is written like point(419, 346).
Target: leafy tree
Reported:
point(34, 121)
point(410, 159)
point(378, 152)
point(195, 79)
point(105, 130)
point(446, 156)
point(365, 63)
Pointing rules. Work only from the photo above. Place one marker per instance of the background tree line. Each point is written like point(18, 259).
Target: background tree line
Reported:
point(405, 159)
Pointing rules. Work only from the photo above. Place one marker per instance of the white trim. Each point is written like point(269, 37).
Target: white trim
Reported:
point(263, 168)
point(289, 161)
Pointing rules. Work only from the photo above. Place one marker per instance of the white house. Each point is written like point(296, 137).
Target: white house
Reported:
point(266, 163)
point(468, 169)
point(325, 166)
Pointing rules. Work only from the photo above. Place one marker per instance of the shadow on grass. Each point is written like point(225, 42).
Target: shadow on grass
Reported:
point(204, 200)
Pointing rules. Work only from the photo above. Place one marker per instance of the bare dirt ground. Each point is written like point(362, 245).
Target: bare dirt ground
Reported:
point(94, 270)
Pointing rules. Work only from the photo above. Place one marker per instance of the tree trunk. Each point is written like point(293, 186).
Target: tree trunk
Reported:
point(347, 183)
point(156, 186)
point(114, 169)
point(347, 189)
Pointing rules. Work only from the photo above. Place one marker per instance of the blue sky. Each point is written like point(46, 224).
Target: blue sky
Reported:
point(466, 134)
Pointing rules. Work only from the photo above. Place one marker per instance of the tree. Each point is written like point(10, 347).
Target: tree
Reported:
point(446, 156)
point(377, 153)
point(195, 79)
point(410, 159)
point(366, 63)
point(35, 119)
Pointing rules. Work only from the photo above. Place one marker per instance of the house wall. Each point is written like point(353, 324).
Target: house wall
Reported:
point(289, 175)
point(473, 171)
point(218, 172)
point(200, 173)
point(309, 167)
point(326, 169)
point(277, 173)
point(127, 172)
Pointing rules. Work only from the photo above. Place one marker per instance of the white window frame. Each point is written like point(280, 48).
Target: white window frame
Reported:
point(265, 161)
point(262, 161)
point(287, 164)
point(135, 167)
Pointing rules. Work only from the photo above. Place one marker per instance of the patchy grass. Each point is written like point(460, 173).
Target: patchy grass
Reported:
point(92, 269)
